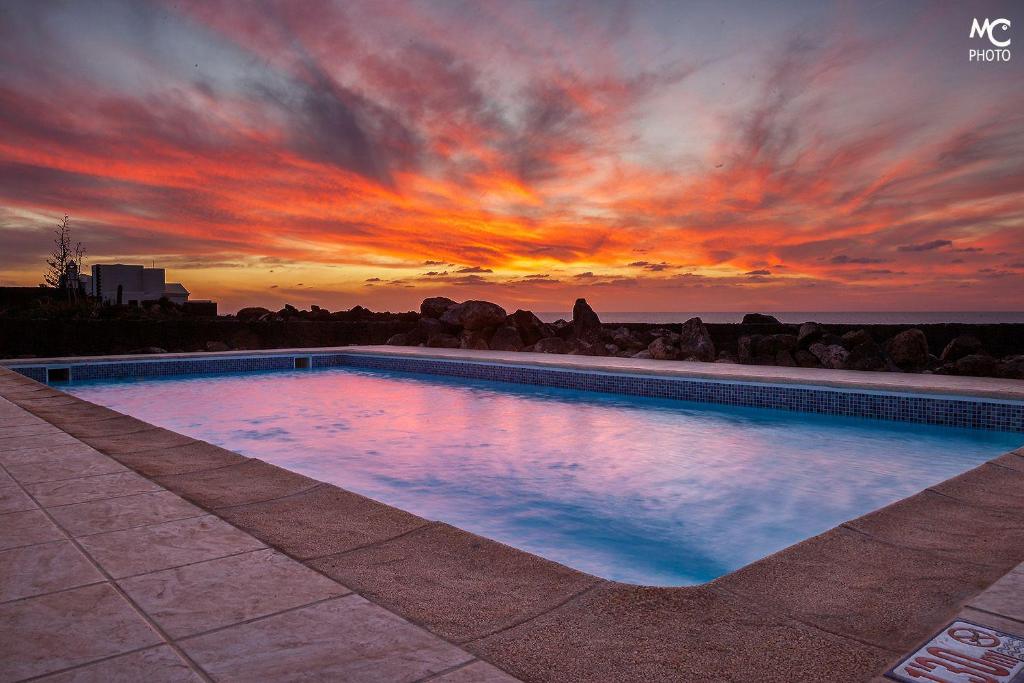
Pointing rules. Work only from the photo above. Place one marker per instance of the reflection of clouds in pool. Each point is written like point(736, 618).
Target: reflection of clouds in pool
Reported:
point(636, 489)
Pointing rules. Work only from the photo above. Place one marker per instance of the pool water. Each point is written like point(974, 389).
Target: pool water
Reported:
point(646, 491)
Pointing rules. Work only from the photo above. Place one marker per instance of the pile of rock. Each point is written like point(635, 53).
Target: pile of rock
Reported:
point(316, 314)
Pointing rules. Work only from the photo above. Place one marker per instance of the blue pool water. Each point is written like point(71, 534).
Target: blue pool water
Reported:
point(640, 490)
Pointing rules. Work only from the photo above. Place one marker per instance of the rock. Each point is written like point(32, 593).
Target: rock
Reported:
point(435, 306)
point(977, 365)
point(806, 359)
point(785, 359)
point(760, 319)
point(217, 346)
point(251, 313)
point(584, 348)
point(808, 334)
point(963, 345)
point(563, 329)
point(695, 341)
point(662, 349)
point(624, 339)
point(530, 328)
point(866, 356)
point(400, 339)
point(1012, 367)
point(474, 315)
point(289, 312)
point(425, 329)
point(443, 340)
point(747, 348)
point(645, 354)
point(851, 340)
point(908, 350)
point(771, 345)
point(725, 357)
point(830, 356)
point(507, 338)
point(473, 339)
point(585, 323)
point(552, 345)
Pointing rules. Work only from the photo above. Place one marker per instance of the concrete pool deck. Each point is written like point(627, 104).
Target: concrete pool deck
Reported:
point(175, 547)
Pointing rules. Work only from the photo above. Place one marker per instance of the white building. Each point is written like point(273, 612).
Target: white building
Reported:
point(131, 285)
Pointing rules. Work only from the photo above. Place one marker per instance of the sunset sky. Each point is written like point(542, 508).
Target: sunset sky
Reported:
point(649, 156)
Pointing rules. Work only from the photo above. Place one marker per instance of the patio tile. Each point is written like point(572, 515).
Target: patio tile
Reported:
point(113, 514)
point(477, 672)
point(992, 621)
point(6, 480)
point(159, 664)
point(948, 528)
point(27, 528)
point(190, 457)
point(635, 634)
point(1014, 460)
point(249, 482)
point(455, 583)
point(1005, 597)
point(170, 544)
point(147, 440)
point(346, 639)
point(41, 454)
point(79, 464)
point(17, 443)
point(43, 568)
point(322, 521)
point(80, 411)
point(847, 583)
point(69, 491)
point(39, 428)
point(207, 595)
point(13, 499)
point(52, 632)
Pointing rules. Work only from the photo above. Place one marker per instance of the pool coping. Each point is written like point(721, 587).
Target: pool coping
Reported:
point(861, 595)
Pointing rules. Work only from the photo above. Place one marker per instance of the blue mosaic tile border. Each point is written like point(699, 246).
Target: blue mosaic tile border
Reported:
point(970, 413)
point(934, 410)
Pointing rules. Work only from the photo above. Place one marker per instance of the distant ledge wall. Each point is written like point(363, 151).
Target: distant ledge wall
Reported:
point(48, 338)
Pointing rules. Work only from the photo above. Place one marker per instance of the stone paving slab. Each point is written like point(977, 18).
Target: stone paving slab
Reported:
point(13, 499)
point(345, 639)
point(213, 488)
point(79, 490)
point(159, 664)
point(208, 595)
point(114, 514)
point(195, 456)
point(70, 466)
point(44, 568)
point(27, 528)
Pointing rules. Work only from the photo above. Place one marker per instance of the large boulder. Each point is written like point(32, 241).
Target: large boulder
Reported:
point(531, 329)
point(830, 355)
point(552, 345)
point(963, 345)
point(507, 338)
point(806, 359)
point(866, 356)
point(1012, 367)
point(435, 306)
point(695, 341)
point(771, 345)
point(251, 313)
point(444, 340)
point(809, 333)
point(662, 348)
point(977, 365)
point(400, 339)
point(473, 339)
point(852, 340)
point(760, 319)
point(474, 315)
point(746, 349)
point(217, 346)
point(908, 350)
point(585, 323)
point(425, 329)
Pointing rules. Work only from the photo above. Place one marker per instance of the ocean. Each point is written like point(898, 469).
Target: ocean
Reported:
point(855, 318)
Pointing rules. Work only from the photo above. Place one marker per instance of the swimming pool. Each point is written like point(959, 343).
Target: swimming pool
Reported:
point(643, 490)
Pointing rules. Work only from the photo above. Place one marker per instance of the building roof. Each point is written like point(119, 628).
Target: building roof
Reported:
point(174, 288)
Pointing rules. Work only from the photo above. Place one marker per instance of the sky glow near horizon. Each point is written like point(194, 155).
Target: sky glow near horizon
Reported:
point(648, 156)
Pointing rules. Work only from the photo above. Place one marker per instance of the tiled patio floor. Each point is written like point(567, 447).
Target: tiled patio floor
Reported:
point(107, 576)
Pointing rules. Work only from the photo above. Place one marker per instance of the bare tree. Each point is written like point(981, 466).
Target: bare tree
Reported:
point(65, 262)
